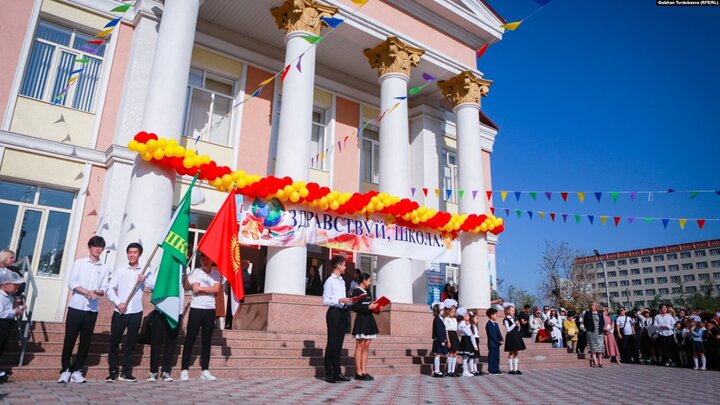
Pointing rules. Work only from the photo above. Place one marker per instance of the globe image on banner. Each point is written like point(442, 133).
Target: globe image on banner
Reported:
point(270, 211)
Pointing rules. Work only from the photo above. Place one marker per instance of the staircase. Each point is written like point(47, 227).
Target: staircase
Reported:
point(244, 354)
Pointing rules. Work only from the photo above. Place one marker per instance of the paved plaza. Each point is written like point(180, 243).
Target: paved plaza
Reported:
point(643, 384)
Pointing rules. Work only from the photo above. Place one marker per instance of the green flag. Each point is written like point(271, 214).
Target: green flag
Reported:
point(167, 293)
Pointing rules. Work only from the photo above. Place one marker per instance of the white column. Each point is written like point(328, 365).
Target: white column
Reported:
point(474, 277)
point(150, 195)
point(395, 275)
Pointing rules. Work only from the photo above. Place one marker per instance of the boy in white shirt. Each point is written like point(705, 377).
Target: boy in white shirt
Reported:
point(126, 316)
point(9, 285)
point(88, 281)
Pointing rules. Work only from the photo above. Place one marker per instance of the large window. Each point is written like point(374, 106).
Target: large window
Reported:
point(208, 104)
point(318, 140)
point(450, 179)
point(52, 62)
point(370, 156)
point(34, 222)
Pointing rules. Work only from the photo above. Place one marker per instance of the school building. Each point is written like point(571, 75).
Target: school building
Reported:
point(180, 69)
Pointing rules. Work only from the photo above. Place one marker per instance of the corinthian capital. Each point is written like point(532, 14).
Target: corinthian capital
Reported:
point(302, 15)
point(465, 88)
point(393, 56)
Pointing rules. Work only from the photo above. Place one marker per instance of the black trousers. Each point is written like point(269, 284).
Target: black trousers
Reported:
point(161, 332)
point(118, 325)
point(667, 346)
point(338, 323)
point(198, 319)
point(628, 350)
point(80, 323)
point(6, 326)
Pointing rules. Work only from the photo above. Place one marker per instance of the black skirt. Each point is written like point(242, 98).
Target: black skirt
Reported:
point(438, 348)
point(698, 347)
point(514, 341)
point(365, 325)
point(466, 346)
point(454, 341)
point(477, 353)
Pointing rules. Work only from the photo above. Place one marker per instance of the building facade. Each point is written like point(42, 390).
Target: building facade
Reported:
point(671, 273)
point(180, 68)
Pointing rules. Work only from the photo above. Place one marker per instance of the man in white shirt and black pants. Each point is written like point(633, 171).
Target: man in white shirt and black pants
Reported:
point(337, 319)
point(626, 333)
point(126, 316)
point(88, 282)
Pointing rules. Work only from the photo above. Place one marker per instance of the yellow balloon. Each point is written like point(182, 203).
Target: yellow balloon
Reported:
point(226, 180)
point(335, 205)
point(279, 194)
point(415, 220)
point(158, 154)
point(132, 145)
point(162, 143)
point(141, 148)
point(304, 192)
point(146, 157)
point(295, 196)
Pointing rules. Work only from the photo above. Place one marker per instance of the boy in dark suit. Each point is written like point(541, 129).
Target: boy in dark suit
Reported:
point(494, 340)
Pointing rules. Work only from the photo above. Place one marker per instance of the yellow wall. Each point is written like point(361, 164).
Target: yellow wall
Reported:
point(73, 15)
point(370, 113)
point(38, 119)
point(221, 154)
point(42, 169)
point(204, 59)
point(322, 99)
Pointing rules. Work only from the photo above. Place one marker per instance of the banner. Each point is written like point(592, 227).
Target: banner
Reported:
point(269, 223)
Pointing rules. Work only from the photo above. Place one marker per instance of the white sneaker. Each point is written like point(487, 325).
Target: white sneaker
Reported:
point(205, 375)
point(77, 377)
point(166, 377)
point(467, 374)
point(702, 369)
point(64, 377)
point(184, 375)
point(152, 377)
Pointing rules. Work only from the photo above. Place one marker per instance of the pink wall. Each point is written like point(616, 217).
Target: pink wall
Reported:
point(346, 161)
point(91, 210)
point(115, 87)
point(14, 21)
point(256, 125)
point(419, 30)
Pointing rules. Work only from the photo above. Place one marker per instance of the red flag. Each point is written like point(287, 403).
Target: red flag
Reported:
point(617, 220)
point(285, 72)
point(552, 215)
point(492, 209)
point(425, 191)
point(564, 196)
point(220, 244)
point(701, 223)
point(480, 53)
point(489, 195)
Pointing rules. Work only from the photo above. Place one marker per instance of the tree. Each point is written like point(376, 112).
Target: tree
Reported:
point(707, 300)
point(564, 282)
point(657, 300)
point(519, 296)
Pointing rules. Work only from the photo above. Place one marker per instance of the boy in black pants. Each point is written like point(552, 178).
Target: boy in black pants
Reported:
point(494, 340)
point(9, 285)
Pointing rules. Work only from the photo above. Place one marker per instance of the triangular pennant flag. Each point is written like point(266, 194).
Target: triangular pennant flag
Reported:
point(670, 190)
point(448, 193)
point(530, 214)
point(548, 194)
point(694, 194)
point(313, 39)
point(312, 161)
point(591, 218)
point(632, 195)
point(577, 219)
point(82, 60)
point(542, 214)
point(266, 81)
point(394, 107)
point(598, 195)
point(533, 195)
point(401, 98)
point(425, 190)
point(73, 79)
point(581, 196)
point(603, 219)
point(474, 194)
point(322, 156)
point(113, 23)
point(511, 26)
point(648, 220)
point(552, 216)
point(257, 92)
point(492, 209)
point(701, 223)
point(104, 33)
point(121, 9)
point(339, 144)
point(76, 71)
point(437, 192)
point(631, 220)
point(517, 195)
point(360, 2)
point(717, 192)
point(299, 68)
point(332, 22)
point(415, 90)
point(507, 212)
point(503, 195)
point(617, 220)
point(96, 41)
point(460, 194)
point(519, 213)
point(428, 77)
point(480, 53)
point(59, 120)
point(682, 222)
point(488, 194)
point(285, 72)
point(412, 191)
point(665, 222)
point(564, 217)
point(614, 196)
point(564, 195)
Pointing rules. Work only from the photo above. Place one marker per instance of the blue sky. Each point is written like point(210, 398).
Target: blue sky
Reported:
point(603, 96)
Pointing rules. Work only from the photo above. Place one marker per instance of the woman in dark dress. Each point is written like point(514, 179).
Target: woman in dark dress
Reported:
point(365, 328)
point(313, 284)
point(513, 339)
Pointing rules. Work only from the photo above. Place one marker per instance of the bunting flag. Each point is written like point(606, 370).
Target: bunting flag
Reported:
point(701, 223)
point(412, 191)
point(517, 195)
point(503, 195)
point(299, 68)
point(401, 98)
point(614, 196)
point(519, 213)
point(415, 90)
point(437, 192)
point(121, 9)
point(631, 220)
point(694, 194)
point(632, 196)
point(511, 26)
point(542, 214)
point(479, 54)
point(448, 193)
point(530, 214)
point(394, 107)
point(266, 81)
point(428, 77)
point(332, 22)
point(665, 222)
point(105, 33)
point(425, 191)
point(489, 195)
point(598, 196)
point(603, 219)
point(591, 218)
point(564, 195)
point(617, 220)
point(474, 194)
point(564, 217)
point(460, 194)
point(312, 39)
point(492, 209)
point(96, 41)
point(113, 23)
point(552, 216)
point(647, 220)
point(507, 212)
point(577, 219)
point(581, 196)
point(284, 73)
point(533, 195)
point(682, 223)
point(548, 194)
point(360, 2)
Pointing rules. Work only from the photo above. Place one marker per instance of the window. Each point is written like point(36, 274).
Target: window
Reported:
point(675, 279)
point(685, 255)
point(663, 291)
point(610, 263)
point(687, 266)
point(599, 274)
point(704, 276)
point(674, 267)
point(716, 275)
point(699, 253)
point(613, 284)
point(650, 291)
point(691, 289)
point(34, 222)
point(634, 260)
point(598, 265)
point(637, 282)
point(637, 292)
point(706, 288)
point(647, 270)
point(672, 256)
point(715, 263)
point(624, 283)
point(623, 273)
point(615, 294)
point(646, 259)
point(639, 303)
point(370, 156)
point(715, 252)
point(701, 265)
point(659, 258)
point(601, 285)
point(676, 290)
point(604, 295)
point(649, 281)
point(588, 266)
point(622, 262)
point(450, 179)
point(208, 104)
point(659, 269)
point(318, 140)
point(52, 62)
point(662, 280)
point(689, 277)
point(634, 271)
point(612, 273)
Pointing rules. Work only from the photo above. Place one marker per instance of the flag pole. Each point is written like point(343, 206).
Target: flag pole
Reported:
point(172, 221)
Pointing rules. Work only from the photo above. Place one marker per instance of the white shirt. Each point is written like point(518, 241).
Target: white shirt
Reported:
point(464, 329)
point(664, 320)
point(625, 324)
point(333, 290)
point(88, 275)
point(119, 288)
point(202, 300)
point(6, 306)
point(451, 324)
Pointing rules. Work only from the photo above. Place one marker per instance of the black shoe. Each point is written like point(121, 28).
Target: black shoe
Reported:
point(369, 377)
point(342, 378)
point(438, 375)
point(511, 372)
point(112, 377)
point(330, 380)
point(128, 377)
point(477, 373)
point(361, 377)
point(518, 372)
